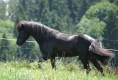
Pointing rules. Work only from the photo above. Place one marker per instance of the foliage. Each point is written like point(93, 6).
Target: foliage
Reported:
point(7, 27)
point(3, 10)
point(6, 31)
point(101, 21)
point(6, 24)
point(93, 27)
point(12, 4)
point(62, 15)
point(8, 48)
point(6, 53)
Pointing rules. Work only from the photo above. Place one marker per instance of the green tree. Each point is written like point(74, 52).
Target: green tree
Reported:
point(93, 27)
point(79, 7)
point(3, 10)
point(7, 28)
point(91, 17)
point(59, 16)
point(12, 4)
point(4, 51)
point(106, 14)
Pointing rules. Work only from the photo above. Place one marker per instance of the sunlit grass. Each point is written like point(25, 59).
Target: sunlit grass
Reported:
point(21, 70)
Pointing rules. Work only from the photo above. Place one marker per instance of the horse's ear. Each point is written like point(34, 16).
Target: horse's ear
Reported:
point(22, 26)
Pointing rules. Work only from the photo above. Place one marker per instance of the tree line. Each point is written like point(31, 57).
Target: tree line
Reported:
point(97, 18)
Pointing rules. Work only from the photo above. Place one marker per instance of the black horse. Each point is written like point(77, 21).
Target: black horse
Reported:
point(56, 44)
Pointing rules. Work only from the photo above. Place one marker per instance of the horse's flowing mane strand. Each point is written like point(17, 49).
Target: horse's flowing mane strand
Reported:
point(36, 25)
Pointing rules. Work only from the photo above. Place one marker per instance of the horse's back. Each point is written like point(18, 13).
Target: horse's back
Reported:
point(65, 44)
point(72, 44)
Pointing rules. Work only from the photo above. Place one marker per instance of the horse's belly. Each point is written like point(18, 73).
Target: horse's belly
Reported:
point(66, 53)
point(65, 49)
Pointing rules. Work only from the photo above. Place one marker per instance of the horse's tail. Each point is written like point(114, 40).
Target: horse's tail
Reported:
point(101, 54)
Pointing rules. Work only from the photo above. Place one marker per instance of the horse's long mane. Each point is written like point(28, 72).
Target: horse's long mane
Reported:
point(37, 28)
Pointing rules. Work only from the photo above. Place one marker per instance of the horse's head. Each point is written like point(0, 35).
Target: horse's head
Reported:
point(23, 34)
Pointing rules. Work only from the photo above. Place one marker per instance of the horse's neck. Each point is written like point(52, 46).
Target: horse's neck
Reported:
point(41, 34)
point(38, 35)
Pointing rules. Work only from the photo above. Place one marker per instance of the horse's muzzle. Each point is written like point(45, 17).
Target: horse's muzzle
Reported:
point(18, 43)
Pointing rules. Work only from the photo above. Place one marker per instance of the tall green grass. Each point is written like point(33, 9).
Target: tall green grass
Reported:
point(21, 70)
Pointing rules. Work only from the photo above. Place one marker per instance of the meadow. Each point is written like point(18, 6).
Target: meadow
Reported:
point(22, 70)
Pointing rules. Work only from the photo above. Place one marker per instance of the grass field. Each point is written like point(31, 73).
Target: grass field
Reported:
point(21, 70)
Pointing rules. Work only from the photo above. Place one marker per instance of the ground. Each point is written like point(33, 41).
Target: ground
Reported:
point(22, 70)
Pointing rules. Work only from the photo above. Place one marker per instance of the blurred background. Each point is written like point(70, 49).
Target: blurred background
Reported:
point(96, 18)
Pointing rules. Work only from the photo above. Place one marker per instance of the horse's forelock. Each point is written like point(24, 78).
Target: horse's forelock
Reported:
point(18, 26)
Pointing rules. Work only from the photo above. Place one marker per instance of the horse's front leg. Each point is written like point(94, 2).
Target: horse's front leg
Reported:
point(39, 62)
point(53, 62)
point(42, 59)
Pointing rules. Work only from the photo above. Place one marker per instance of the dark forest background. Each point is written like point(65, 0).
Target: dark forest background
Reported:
point(96, 18)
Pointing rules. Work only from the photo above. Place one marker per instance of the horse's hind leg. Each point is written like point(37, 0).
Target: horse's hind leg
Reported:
point(97, 65)
point(86, 65)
